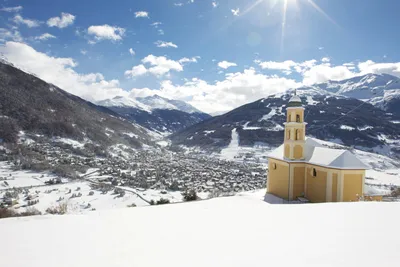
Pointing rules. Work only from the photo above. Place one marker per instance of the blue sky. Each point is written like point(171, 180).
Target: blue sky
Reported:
point(216, 55)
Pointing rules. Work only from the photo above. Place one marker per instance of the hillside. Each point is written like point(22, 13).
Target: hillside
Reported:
point(30, 106)
point(156, 113)
point(231, 231)
point(261, 122)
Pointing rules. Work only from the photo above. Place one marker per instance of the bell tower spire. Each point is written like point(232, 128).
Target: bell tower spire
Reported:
point(295, 130)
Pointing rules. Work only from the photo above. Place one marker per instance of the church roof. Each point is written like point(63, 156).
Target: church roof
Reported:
point(317, 154)
point(295, 98)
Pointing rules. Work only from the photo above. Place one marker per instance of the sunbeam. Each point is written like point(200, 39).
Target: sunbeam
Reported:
point(284, 10)
point(314, 5)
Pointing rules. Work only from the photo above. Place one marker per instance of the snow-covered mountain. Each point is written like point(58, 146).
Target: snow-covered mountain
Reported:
point(381, 90)
point(149, 103)
point(155, 112)
point(158, 102)
point(120, 101)
point(330, 117)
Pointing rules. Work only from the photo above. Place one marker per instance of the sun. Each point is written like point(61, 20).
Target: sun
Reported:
point(284, 5)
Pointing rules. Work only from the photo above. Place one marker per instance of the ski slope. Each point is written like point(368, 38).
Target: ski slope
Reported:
point(224, 232)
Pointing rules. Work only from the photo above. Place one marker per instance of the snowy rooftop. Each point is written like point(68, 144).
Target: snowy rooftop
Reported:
point(316, 154)
point(224, 232)
point(295, 98)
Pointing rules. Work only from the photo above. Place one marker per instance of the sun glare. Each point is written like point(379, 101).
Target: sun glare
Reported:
point(285, 5)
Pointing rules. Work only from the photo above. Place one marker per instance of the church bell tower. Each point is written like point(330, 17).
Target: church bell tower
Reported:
point(295, 130)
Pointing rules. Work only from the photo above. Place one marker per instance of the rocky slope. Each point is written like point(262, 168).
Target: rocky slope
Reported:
point(30, 106)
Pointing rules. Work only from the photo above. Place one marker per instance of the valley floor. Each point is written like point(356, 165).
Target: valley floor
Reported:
point(233, 231)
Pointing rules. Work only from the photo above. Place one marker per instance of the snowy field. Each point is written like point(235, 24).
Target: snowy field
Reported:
point(232, 231)
point(33, 184)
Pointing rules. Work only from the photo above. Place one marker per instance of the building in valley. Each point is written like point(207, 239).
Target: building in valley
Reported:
point(302, 167)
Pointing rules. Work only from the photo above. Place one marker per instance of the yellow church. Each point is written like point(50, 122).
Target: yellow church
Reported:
point(302, 168)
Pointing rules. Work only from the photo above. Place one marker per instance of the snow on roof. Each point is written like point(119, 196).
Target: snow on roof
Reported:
point(295, 98)
point(317, 154)
point(222, 232)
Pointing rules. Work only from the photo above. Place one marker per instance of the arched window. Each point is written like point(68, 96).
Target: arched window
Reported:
point(287, 134)
point(297, 118)
point(290, 118)
point(314, 172)
point(298, 135)
point(274, 166)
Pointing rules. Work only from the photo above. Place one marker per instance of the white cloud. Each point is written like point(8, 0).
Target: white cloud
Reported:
point(188, 60)
point(83, 51)
point(311, 71)
point(11, 9)
point(285, 65)
point(158, 66)
point(235, 90)
point(370, 66)
point(226, 64)
point(165, 44)
point(10, 35)
point(141, 14)
point(178, 4)
point(60, 71)
point(18, 19)
point(138, 70)
point(214, 4)
point(156, 24)
point(106, 32)
point(45, 36)
point(65, 20)
point(235, 12)
point(325, 59)
point(131, 52)
point(322, 73)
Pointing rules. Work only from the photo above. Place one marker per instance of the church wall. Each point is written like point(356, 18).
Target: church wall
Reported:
point(298, 181)
point(278, 178)
point(287, 151)
point(334, 187)
point(298, 152)
point(316, 185)
point(353, 184)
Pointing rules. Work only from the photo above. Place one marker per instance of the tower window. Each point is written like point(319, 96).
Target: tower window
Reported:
point(314, 172)
point(297, 135)
point(297, 118)
point(274, 166)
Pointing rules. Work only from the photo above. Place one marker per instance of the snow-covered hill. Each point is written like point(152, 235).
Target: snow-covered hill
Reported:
point(225, 232)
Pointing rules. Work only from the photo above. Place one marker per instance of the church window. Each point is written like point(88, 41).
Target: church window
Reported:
point(274, 166)
point(297, 118)
point(314, 172)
